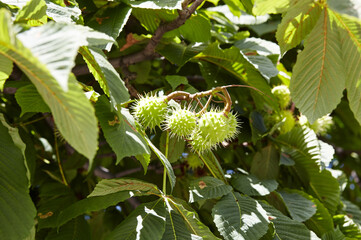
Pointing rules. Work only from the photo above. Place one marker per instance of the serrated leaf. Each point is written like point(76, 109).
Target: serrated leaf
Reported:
point(301, 145)
point(109, 186)
point(93, 204)
point(297, 23)
point(240, 217)
point(326, 188)
point(207, 188)
point(147, 221)
point(56, 44)
point(17, 209)
point(318, 77)
point(234, 62)
point(349, 7)
point(326, 154)
point(164, 161)
point(108, 78)
point(262, 7)
point(253, 186)
point(75, 229)
point(33, 13)
point(111, 21)
point(287, 228)
point(176, 80)
point(72, 112)
point(68, 14)
point(347, 226)
point(179, 53)
point(157, 4)
point(265, 164)
point(235, 6)
point(334, 234)
point(264, 65)
point(263, 47)
point(30, 100)
point(194, 228)
point(352, 210)
point(6, 67)
point(176, 146)
point(121, 135)
point(299, 207)
point(350, 32)
point(210, 160)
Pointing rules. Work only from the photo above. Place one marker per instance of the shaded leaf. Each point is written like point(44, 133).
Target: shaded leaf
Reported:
point(157, 4)
point(348, 227)
point(207, 188)
point(352, 210)
point(253, 186)
point(179, 53)
point(286, 228)
point(30, 100)
point(111, 21)
point(240, 217)
point(176, 80)
point(77, 229)
point(263, 47)
point(121, 135)
point(265, 164)
point(109, 186)
point(176, 147)
point(17, 209)
point(147, 221)
point(210, 160)
point(6, 67)
point(299, 207)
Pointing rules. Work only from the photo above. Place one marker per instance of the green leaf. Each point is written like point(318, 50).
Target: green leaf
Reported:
point(68, 14)
point(176, 80)
point(164, 160)
point(297, 23)
point(240, 217)
point(75, 229)
point(6, 67)
point(262, 7)
point(108, 78)
point(184, 222)
point(326, 188)
point(263, 47)
point(176, 147)
point(326, 154)
point(233, 61)
point(92, 204)
point(352, 210)
point(264, 65)
point(301, 145)
point(265, 164)
point(196, 29)
point(73, 113)
point(350, 32)
point(30, 100)
point(17, 209)
point(111, 20)
point(210, 160)
point(349, 7)
point(207, 188)
point(179, 53)
point(158, 4)
point(235, 7)
point(147, 221)
point(334, 234)
point(348, 227)
point(109, 186)
point(299, 207)
point(318, 76)
point(56, 45)
point(253, 186)
point(287, 228)
point(121, 134)
point(33, 11)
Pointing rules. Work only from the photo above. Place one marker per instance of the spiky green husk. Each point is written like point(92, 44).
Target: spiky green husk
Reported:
point(150, 111)
point(282, 93)
point(289, 121)
point(181, 123)
point(214, 127)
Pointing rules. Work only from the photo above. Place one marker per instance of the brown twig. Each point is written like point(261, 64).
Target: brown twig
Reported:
point(149, 50)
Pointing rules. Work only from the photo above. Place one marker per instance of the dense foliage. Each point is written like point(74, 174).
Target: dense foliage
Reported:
point(155, 119)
